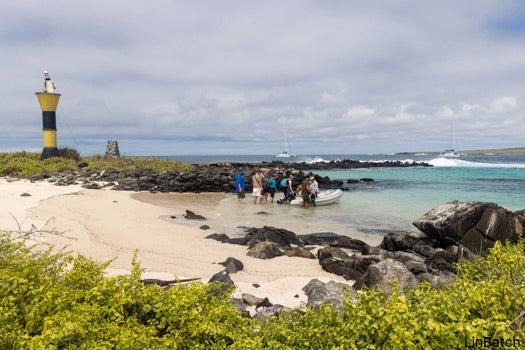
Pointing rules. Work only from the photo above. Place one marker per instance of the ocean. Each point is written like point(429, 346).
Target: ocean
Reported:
point(395, 198)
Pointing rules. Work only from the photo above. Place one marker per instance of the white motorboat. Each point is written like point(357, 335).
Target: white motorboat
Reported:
point(323, 198)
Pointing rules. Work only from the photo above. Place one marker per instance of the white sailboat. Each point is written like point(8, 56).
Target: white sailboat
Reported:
point(284, 154)
point(452, 153)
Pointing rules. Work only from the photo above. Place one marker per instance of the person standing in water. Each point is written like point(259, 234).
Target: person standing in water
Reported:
point(240, 187)
point(257, 186)
point(305, 192)
point(314, 188)
point(272, 186)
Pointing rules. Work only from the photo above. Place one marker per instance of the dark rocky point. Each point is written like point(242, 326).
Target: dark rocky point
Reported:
point(192, 216)
point(232, 265)
point(333, 240)
point(283, 238)
point(221, 237)
point(265, 250)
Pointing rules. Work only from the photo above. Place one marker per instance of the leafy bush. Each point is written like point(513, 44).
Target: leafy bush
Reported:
point(25, 164)
point(69, 153)
point(486, 300)
point(57, 301)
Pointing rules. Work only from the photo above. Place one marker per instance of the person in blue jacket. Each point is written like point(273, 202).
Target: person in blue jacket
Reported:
point(240, 187)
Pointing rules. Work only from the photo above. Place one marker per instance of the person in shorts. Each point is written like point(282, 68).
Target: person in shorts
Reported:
point(240, 187)
point(257, 186)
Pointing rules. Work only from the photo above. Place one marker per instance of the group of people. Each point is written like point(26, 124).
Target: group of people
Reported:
point(264, 185)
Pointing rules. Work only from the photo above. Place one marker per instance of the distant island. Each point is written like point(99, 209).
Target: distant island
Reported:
point(516, 150)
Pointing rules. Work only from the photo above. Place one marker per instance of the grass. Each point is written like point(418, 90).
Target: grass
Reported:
point(134, 163)
point(25, 164)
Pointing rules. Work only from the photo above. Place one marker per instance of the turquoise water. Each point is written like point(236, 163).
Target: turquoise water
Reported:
point(398, 196)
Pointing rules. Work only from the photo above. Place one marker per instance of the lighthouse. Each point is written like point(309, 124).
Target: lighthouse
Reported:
point(48, 100)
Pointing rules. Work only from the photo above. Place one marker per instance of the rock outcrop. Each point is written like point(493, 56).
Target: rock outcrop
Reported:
point(232, 265)
point(112, 149)
point(319, 293)
point(383, 275)
point(265, 250)
point(474, 225)
point(211, 177)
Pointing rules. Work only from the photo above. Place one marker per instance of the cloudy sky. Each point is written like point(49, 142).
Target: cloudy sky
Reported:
point(232, 77)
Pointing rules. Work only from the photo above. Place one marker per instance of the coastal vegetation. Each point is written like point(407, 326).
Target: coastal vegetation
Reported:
point(25, 164)
point(60, 301)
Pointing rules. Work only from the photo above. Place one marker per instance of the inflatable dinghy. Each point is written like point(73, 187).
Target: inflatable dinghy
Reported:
point(323, 198)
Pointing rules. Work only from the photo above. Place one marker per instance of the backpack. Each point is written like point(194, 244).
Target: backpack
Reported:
point(284, 182)
point(265, 182)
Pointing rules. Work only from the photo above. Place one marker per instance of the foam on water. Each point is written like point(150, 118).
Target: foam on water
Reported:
point(409, 161)
point(448, 162)
point(316, 160)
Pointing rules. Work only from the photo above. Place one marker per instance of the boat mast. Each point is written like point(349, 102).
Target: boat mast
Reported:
point(453, 136)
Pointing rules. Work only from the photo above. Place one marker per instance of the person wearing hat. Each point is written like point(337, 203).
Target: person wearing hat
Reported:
point(272, 186)
point(314, 188)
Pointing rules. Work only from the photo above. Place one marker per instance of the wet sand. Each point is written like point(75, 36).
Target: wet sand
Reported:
point(111, 225)
point(224, 215)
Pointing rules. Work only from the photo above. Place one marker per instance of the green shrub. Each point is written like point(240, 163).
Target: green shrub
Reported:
point(57, 301)
point(25, 164)
point(158, 165)
point(486, 300)
point(69, 153)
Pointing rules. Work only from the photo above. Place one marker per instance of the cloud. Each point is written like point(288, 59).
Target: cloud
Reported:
point(503, 105)
point(174, 77)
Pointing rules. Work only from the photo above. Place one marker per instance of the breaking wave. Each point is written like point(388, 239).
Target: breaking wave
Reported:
point(316, 160)
point(447, 162)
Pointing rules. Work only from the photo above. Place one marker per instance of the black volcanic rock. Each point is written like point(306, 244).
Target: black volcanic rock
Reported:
point(210, 177)
point(232, 265)
point(283, 238)
point(474, 225)
point(221, 237)
point(265, 250)
point(192, 216)
point(221, 282)
point(333, 240)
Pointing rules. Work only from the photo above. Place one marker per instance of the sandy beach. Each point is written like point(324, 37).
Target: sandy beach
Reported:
point(112, 225)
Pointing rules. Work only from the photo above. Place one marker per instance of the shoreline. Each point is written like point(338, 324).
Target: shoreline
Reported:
point(502, 151)
point(110, 225)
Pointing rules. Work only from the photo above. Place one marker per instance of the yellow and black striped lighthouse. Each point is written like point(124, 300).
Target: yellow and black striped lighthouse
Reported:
point(48, 100)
